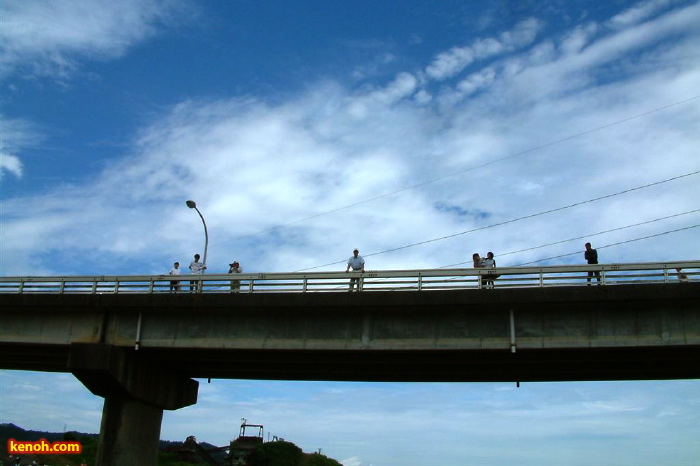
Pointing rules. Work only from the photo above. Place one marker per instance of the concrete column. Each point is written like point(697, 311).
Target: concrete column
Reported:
point(135, 391)
point(129, 434)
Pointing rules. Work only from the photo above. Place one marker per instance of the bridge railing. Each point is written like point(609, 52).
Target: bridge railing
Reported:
point(389, 280)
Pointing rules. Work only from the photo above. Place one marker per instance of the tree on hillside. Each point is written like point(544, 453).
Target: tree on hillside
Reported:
point(276, 454)
point(317, 459)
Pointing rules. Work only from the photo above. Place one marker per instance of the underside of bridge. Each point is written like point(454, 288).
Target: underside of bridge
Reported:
point(584, 364)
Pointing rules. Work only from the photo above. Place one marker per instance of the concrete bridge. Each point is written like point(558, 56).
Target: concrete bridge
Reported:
point(137, 344)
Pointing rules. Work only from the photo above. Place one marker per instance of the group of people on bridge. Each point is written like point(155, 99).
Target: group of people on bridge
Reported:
point(197, 268)
point(356, 263)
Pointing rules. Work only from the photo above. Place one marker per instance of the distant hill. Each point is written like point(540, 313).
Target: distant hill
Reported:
point(88, 441)
point(172, 453)
point(8, 431)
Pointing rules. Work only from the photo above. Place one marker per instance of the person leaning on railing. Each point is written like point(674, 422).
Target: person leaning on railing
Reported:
point(490, 263)
point(235, 267)
point(591, 256)
point(176, 270)
point(479, 264)
point(196, 268)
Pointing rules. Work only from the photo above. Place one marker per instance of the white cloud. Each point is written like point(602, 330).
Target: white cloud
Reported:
point(17, 135)
point(638, 13)
point(11, 164)
point(403, 86)
point(254, 166)
point(577, 39)
point(49, 37)
point(450, 63)
point(352, 461)
point(522, 35)
point(476, 81)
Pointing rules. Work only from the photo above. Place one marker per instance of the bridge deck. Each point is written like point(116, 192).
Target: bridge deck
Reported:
point(621, 332)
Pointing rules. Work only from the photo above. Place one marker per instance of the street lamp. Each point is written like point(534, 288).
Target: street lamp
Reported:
point(193, 205)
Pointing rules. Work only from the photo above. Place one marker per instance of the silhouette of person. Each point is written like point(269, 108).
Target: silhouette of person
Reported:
point(591, 256)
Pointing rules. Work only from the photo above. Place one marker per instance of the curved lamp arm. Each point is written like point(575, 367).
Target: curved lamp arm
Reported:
point(193, 205)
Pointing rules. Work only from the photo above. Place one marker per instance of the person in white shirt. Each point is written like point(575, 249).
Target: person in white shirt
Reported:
point(235, 267)
point(197, 268)
point(176, 270)
point(356, 262)
point(490, 263)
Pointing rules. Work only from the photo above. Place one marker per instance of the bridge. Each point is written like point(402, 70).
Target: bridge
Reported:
point(139, 341)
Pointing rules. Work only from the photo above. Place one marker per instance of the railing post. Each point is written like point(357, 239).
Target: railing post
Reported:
point(305, 284)
point(541, 278)
point(116, 285)
point(20, 288)
point(251, 283)
point(420, 281)
point(151, 284)
point(62, 287)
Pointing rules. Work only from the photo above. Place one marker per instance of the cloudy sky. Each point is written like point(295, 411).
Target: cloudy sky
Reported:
point(419, 132)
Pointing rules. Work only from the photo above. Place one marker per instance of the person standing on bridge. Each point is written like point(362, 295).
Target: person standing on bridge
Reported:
point(490, 263)
point(591, 256)
point(235, 267)
point(356, 262)
point(196, 268)
point(479, 263)
point(176, 270)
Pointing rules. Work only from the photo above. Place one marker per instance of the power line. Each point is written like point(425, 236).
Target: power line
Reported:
point(610, 245)
point(525, 217)
point(597, 247)
point(449, 175)
point(590, 235)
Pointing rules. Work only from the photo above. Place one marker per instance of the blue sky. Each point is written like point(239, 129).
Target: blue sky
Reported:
point(306, 130)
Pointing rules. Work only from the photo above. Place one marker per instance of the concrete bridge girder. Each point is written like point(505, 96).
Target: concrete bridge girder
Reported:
point(621, 332)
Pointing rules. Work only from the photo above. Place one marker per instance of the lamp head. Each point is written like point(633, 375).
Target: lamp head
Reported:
point(191, 204)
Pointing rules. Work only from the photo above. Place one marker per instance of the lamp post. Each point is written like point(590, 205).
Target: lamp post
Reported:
point(193, 205)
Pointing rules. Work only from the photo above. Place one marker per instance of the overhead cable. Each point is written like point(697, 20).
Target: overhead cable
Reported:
point(610, 245)
point(474, 167)
point(517, 219)
point(590, 235)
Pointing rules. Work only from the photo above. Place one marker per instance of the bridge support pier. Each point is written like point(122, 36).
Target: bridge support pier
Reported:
point(136, 392)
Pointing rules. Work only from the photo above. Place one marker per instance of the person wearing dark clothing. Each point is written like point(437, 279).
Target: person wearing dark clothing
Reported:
point(591, 256)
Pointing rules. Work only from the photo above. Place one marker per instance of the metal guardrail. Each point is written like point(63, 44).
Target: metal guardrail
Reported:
point(389, 280)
